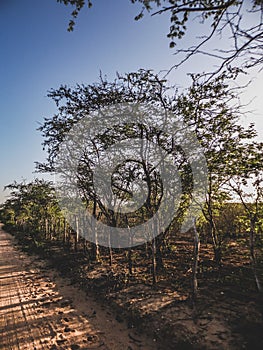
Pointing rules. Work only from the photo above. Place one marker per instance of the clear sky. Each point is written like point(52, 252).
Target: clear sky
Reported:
point(37, 54)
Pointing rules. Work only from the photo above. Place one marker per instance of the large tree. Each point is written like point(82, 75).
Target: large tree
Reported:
point(135, 174)
point(76, 106)
point(208, 111)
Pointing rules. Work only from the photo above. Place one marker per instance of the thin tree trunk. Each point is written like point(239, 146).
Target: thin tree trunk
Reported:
point(46, 228)
point(213, 231)
point(154, 264)
point(216, 243)
point(58, 228)
point(95, 245)
point(130, 247)
point(51, 228)
point(130, 261)
point(154, 261)
point(77, 232)
point(159, 258)
point(252, 254)
point(110, 250)
point(195, 262)
point(64, 230)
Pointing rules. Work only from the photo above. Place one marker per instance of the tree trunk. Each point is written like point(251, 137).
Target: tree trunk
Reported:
point(130, 261)
point(252, 253)
point(216, 243)
point(64, 230)
point(154, 261)
point(51, 228)
point(213, 231)
point(95, 246)
point(46, 228)
point(110, 250)
point(77, 233)
point(58, 230)
point(195, 262)
point(130, 247)
point(159, 258)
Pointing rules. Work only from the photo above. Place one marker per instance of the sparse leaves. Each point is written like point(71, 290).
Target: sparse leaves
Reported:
point(223, 17)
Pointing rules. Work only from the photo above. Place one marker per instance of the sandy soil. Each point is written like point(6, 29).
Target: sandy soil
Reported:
point(40, 310)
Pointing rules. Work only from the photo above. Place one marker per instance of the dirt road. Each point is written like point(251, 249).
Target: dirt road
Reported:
point(40, 310)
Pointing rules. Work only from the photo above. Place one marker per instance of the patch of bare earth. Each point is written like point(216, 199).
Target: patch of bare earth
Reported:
point(228, 314)
point(40, 310)
point(115, 310)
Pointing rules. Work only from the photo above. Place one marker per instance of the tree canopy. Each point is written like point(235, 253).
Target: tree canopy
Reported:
point(204, 107)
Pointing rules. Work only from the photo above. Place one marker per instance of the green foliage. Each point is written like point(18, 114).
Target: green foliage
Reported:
point(204, 107)
point(229, 148)
point(77, 103)
point(29, 205)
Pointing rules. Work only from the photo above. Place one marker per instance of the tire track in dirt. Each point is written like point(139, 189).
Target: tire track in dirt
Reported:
point(39, 310)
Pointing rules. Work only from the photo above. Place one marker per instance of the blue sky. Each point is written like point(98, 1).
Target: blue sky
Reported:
point(37, 54)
